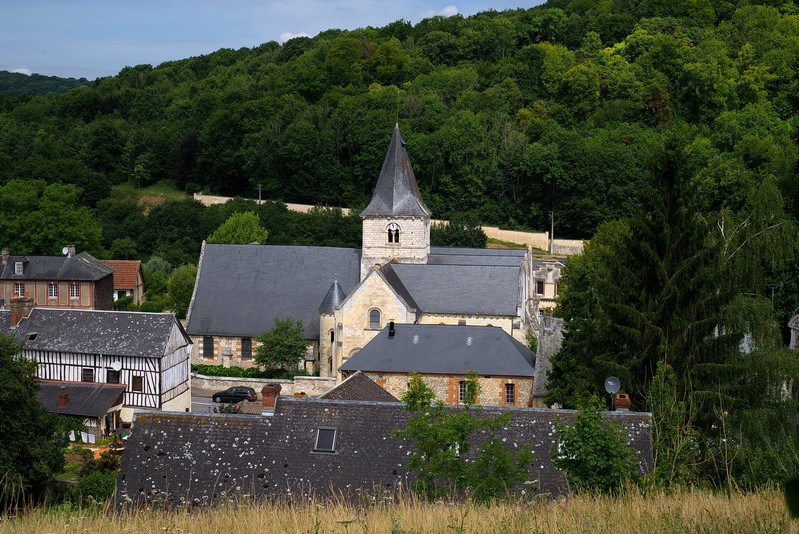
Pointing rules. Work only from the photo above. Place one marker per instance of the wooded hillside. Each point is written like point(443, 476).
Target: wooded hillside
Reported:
point(507, 115)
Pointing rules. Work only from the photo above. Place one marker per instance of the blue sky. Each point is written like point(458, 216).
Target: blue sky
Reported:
point(93, 38)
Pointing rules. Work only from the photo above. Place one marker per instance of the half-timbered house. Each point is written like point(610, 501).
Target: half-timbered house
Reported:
point(149, 353)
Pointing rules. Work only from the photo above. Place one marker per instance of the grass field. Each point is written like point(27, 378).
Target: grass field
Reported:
point(150, 196)
point(634, 513)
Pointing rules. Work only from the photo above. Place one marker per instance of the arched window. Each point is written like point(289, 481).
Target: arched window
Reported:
point(374, 319)
point(393, 233)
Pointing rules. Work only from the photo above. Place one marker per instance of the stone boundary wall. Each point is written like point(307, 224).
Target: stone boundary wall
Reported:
point(536, 239)
point(313, 386)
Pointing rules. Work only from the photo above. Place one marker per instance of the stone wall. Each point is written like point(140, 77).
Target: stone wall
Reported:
point(312, 386)
point(235, 360)
point(492, 389)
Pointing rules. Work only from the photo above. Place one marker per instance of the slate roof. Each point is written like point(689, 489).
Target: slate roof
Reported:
point(189, 460)
point(444, 349)
point(457, 289)
point(126, 272)
point(80, 267)
point(85, 399)
point(396, 193)
point(241, 289)
point(5, 323)
point(335, 296)
point(359, 387)
point(111, 333)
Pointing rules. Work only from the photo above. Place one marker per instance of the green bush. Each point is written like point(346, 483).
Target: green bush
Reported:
point(241, 372)
point(99, 485)
point(594, 455)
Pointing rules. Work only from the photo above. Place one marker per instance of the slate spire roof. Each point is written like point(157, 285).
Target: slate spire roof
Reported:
point(335, 296)
point(397, 193)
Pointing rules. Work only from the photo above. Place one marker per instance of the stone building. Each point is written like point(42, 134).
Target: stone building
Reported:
point(344, 297)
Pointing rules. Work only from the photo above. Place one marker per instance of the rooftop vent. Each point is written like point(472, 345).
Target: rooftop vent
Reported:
point(391, 331)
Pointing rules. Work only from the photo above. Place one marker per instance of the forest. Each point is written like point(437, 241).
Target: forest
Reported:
point(664, 131)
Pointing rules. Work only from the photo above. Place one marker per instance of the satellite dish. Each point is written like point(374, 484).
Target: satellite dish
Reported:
point(116, 366)
point(612, 385)
point(65, 250)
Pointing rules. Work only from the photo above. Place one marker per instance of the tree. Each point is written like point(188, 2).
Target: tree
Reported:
point(595, 456)
point(443, 439)
point(283, 346)
point(180, 287)
point(459, 232)
point(240, 229)
point(29, 455)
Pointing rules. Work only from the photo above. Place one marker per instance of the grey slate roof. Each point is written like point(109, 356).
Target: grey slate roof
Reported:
point(396, 193)
point(111, 333)
point(80, 267)
point(359, 387)
point(459, 289)
point(189, 460)
point(335, 296)
point(85, 399)
point(240, 289)
point(5, 323)
point(444, 349)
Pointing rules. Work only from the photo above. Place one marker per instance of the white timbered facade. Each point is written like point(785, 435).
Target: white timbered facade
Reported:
point(150, 353)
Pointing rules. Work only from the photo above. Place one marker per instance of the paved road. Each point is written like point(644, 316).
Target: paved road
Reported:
point(202, 403)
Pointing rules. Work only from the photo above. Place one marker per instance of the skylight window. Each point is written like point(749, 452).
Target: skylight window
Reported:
point(325, 439)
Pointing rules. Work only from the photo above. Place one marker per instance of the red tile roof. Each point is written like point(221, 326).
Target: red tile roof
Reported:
point(125, 272)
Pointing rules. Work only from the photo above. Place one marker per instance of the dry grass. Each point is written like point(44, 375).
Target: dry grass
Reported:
point(693, 511)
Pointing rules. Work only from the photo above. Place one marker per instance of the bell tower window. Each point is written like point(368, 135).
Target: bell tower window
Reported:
point(393, 233)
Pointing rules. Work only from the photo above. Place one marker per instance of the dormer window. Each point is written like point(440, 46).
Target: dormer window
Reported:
point(18, 267)
point(393, 233)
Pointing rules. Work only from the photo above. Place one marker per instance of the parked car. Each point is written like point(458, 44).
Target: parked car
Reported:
point(235, 394)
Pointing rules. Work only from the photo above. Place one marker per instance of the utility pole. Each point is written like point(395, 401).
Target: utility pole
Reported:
point(773, 287)
point(259, 193)
point(551, 232)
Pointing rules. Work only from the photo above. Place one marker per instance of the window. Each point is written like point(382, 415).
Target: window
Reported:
point(87, 375)
point(393, 233)
point(539, 287)
point(74, 290)
point(374, 319)
point(208, 347)
point(137, 384)
point(556, 289)
point(111, 376)
point(461, 391)
point(19, 289)
point(325, 440)
point(18, 267)
point(510, 393)
point(52, 290)
point(246, 348)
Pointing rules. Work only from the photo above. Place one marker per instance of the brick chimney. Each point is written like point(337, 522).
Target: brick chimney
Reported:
point(5, 255)
point(63, 399)
point(270, 393)
point(20, 308)
point(622, 402)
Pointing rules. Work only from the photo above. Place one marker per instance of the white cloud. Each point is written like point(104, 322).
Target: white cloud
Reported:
point(23, 70)
point(285, 36)
point(448, 11)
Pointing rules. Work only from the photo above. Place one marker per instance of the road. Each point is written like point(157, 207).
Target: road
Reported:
point(201, 402)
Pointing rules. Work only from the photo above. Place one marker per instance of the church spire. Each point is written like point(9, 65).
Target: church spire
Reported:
point(396, 193)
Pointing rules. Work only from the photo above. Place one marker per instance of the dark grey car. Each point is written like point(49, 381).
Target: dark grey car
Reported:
point(235, 394)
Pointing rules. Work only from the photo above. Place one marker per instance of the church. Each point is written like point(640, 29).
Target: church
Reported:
point(344, 296)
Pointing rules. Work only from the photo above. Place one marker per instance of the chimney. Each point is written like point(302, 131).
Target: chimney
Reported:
point(391, 329)
point(63, 398)
point(20, 308)
point(5, 255)
point(70, 250)
point(270, 393)
point(622, 402)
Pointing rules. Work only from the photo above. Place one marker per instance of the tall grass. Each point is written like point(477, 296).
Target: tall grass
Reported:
point(633, 512)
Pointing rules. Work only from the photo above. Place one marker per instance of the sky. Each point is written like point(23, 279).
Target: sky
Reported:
point(95, 38)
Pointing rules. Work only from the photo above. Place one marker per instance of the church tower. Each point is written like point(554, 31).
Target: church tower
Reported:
point(396, 223)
